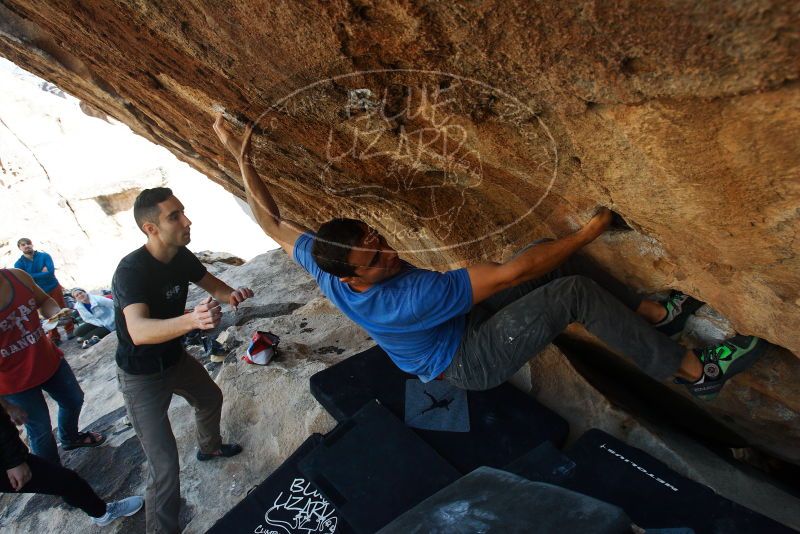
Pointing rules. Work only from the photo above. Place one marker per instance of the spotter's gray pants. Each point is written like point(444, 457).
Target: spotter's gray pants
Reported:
point(147, 399)
point(506, 330)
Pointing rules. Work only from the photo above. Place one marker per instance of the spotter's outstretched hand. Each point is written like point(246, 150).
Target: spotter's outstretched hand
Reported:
point(239, 296)
point(207, 314)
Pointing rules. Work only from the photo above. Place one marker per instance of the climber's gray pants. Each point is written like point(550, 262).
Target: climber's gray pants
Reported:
point(506, 330)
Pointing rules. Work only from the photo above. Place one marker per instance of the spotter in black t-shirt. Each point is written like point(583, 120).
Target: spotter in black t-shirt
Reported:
point(140, 278)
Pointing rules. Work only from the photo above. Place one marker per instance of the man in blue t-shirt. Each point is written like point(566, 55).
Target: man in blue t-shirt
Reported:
point(40, 266)
point(476, 327)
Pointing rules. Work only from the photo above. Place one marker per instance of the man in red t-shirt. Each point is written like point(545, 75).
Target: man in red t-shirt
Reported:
point(30, 364)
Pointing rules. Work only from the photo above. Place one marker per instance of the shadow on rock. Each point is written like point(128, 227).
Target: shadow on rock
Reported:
point(246, 314)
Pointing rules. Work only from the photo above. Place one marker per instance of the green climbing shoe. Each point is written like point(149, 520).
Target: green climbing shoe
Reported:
point(723, 361)
point(680, 307)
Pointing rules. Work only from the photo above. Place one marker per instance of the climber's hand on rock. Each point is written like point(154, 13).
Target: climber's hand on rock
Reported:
point(207, 314)
point(239, 296)
point(226, 135)
point(598, 224)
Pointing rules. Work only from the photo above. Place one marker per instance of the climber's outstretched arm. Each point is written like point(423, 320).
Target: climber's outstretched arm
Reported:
point(265, 210)
point(488, 279)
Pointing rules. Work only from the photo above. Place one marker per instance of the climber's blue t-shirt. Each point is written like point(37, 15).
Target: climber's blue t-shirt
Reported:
point(417, 316)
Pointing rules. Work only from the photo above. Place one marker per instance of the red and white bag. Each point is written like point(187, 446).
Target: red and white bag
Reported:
point(263, 347)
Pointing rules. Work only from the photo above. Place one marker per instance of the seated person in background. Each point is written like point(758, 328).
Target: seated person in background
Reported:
point(98, 317)
point(28, 473)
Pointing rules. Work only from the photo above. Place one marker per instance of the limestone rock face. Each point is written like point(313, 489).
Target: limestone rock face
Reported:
point(463, 132)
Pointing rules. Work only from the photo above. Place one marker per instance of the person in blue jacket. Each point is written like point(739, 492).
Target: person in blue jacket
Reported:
point(97, 313)
point(40, 266)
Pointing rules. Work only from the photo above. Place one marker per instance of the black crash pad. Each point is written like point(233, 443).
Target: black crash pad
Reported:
point(284, 503)
point(653, 495)
point(492, 501)
point(373, 468)
point(504, 423)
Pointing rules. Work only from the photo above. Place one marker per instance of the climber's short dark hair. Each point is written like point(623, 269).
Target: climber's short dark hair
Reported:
point(333, 243)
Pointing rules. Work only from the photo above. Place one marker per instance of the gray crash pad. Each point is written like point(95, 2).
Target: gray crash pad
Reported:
point(489, 500)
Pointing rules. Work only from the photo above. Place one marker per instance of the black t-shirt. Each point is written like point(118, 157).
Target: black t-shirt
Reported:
point(140, 278)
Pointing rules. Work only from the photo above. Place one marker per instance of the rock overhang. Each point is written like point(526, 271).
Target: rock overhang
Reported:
point(463, 133)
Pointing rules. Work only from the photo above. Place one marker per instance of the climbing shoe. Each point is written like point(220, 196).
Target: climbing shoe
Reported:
point(679, 308)
point(723, 361)
point(226, 450)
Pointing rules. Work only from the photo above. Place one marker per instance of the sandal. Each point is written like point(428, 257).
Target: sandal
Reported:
point(95, 439)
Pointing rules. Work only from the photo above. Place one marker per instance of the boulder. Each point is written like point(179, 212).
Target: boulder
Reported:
point(464, 133)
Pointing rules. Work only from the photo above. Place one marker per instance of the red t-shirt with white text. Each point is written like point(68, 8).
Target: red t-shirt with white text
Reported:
point(27, 357)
